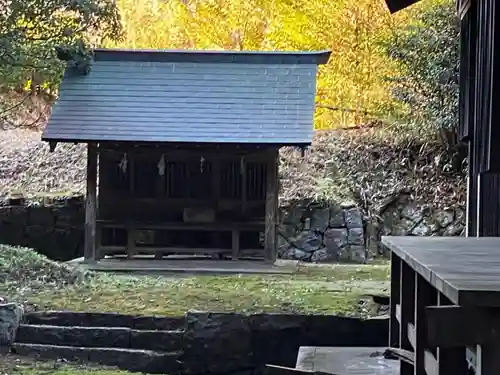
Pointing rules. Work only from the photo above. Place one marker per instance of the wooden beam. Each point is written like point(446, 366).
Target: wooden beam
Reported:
point(216, 177)
point(131, 172)
point(431, 364)
point(412, 335)
point(235, 244)
point(173, 249)
point(244, 193)
point(405, 356)
point(131, 240)
point(89, 253)
point(98, 240)
point(442, 323)
point(271, 220)
point(398, 313)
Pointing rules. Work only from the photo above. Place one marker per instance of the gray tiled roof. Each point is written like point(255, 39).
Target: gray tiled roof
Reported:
point(189, 96)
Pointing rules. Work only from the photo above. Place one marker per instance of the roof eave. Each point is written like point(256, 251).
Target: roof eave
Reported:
point(268, 144)
point(207, 56)
point(397, 5)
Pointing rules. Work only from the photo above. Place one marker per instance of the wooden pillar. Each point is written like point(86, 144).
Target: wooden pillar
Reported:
point(488, 204)
point(244, 193)
point(235, 241)
point(425, 295)
point(450, 360)
point(271, 219)
point(407, 295)
point(91, 205)
point(472, 196)
point(395, 300)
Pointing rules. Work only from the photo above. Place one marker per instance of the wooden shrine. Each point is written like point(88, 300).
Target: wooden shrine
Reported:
point(183, 147)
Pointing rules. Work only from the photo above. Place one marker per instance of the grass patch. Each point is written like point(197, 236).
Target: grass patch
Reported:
point(32, 279)
point(13, 365)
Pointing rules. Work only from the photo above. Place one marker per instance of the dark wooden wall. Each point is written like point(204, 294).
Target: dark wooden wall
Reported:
point(203, 200)
point(232, 182)
point(480, 112)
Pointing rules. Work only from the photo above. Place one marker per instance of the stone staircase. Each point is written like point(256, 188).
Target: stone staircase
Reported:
point(139, 344)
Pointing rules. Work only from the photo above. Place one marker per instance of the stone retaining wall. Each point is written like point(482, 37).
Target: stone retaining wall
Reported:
point(53, 227)
point(403, 217)
point(211, 343)
point(307, 232)
point(322, 233)
point(231, 343)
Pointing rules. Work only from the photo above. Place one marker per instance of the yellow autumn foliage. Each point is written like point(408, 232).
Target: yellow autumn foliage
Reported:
point(351, 88)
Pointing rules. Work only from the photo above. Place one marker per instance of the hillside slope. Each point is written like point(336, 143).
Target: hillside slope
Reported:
point(341, 165)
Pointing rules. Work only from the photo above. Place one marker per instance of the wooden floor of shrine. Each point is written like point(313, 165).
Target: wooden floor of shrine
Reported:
point(190, 265)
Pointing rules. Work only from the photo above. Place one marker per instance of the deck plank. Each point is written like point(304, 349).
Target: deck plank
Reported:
point(465, 270)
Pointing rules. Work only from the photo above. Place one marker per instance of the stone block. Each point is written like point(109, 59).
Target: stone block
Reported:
point(292, 253)
point(353, 218)
point(337, 217)
point(4, 214)
point(308, 241)
point(355, 236)
point(11, 316)
point(336, 238)
point(217, 343)
point(357, 254)
point(330, 330)
point(292, 215)
point(411, 212)
point(320, 219)
point(444, 218)
point(422, 229)
point(276, 338)
point(102, 337)
point(325, 255)
point(18, 215)
point(164, 341)
point(454, 229)
point(41, 216)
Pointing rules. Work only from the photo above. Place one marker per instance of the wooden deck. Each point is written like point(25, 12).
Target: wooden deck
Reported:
point(445, 300)
point(465, 270)
point(187, 265)
point(346, 360)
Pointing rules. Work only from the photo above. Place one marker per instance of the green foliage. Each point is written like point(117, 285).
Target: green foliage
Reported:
point(427, 51)
point(23, 270)
point(30, 30)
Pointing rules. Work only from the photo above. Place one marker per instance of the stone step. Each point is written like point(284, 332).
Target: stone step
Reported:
point(83, 319)
point(113, 337)
point(146, 361)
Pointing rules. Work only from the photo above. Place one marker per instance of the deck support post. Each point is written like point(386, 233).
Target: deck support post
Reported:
point(395, 300)
point(407, 295)
point(271, 219)
point(90, 253)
